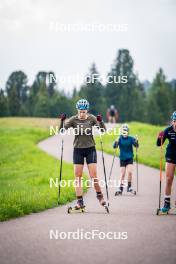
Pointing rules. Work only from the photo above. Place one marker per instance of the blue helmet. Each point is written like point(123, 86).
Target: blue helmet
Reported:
point(82, 104)
point(173, 116)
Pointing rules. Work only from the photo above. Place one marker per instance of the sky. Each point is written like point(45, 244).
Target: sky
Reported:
point(40, 35)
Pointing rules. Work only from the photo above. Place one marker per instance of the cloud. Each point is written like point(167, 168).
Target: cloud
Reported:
point(28, 43)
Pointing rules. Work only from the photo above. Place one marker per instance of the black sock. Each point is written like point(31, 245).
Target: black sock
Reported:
point(99, 194)
point(79, 197)
point(121, 187)
point(167, 200)
point(80, 200)
point(129, 184)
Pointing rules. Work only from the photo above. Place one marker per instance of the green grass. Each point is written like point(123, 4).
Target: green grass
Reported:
point(25, 170)
point(148, 153)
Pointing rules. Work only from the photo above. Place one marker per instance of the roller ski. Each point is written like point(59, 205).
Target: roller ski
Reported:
point(102, 202)
point(171, 211)
point(130, 190)
point(165, 209)
point(119, 191)
point(78, 208)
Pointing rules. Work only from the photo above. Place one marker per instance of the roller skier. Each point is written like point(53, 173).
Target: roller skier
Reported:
point(170, 134)
point(84, 148)
point(112, 114)
point(125, 144)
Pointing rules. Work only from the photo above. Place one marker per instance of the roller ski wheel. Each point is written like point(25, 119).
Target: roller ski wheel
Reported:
point(130, 190)
point(118, 193)
point(166, 208)
point(134, 192)
point(76, 209)
point(157, 211)
point(163, 211)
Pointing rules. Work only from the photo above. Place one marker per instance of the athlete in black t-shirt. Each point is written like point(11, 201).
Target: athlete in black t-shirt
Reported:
point(170, 134)
point(112, 114)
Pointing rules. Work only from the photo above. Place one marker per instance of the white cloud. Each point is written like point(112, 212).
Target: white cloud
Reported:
point(28, 44)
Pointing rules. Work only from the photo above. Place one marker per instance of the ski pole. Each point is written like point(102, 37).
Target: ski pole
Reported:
point(60, 174)
point(137, 178)
point(107, 193)
point(112, 164)
point(161, 167)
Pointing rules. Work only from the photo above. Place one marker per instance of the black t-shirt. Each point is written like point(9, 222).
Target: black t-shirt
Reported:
point(112, 112)
point(169, 134)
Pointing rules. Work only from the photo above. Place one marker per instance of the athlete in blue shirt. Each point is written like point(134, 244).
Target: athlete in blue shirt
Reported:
point(170, 134)
point(125, 144)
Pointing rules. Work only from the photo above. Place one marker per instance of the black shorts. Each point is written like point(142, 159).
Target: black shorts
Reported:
point(124, 163)
point(171, 160)
point(80, 153)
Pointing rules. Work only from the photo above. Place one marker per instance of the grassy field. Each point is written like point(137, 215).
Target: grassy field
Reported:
point(25, 170)
point(148, 153)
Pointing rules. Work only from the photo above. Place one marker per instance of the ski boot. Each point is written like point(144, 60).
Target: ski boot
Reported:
point(165, 209)
point(129, 189)
point(102, 201)
point(119, 191)
point(79, 207)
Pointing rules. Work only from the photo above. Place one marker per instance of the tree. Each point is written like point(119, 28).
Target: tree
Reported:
point(92, 90)
point(16, 88)
point(51, 84)
point(128, 96)
point(3, 104)
point(14, 102)
point(44, 90)
point(173, 100)
point(41, 107)
point(159, 100)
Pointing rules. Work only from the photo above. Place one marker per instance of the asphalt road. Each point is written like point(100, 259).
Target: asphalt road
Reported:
point(150, 238)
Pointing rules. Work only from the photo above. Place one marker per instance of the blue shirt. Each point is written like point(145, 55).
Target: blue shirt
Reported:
point(126, 147)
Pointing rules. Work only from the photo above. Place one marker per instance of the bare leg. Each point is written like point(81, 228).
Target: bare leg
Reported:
point(92, 167)
point(121, 181)
point(130, 172)
point(78, 171)
point(122, 174)
point(170, 169)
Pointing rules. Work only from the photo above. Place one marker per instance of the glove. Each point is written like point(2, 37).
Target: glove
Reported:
point(63, 116)
point(99, 118)
point(161, 135)
point(115, 145)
